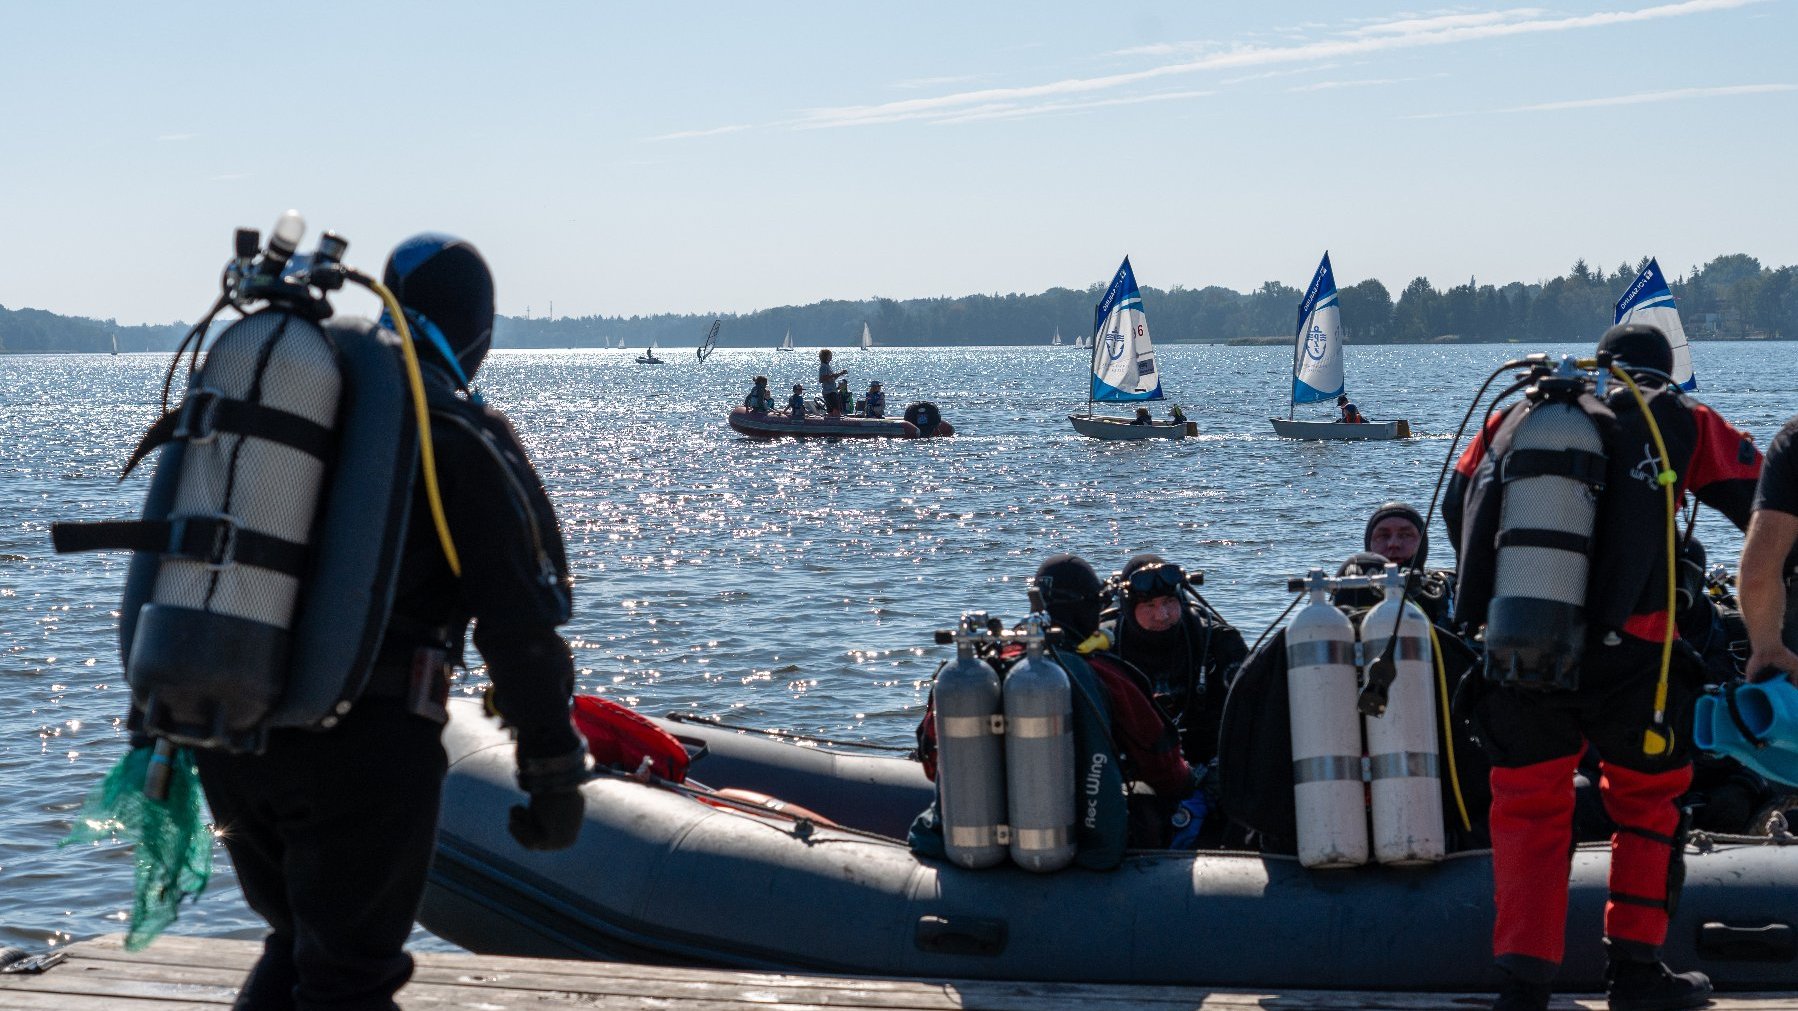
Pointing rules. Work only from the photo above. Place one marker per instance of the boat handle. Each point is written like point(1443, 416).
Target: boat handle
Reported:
point(1770, 942)
point(960, 935)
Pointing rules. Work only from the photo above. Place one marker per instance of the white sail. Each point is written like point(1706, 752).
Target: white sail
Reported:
point(1123, 361)
point(1055, 341)
point(787, 345)
point(1317, 347)
point(1649, 301)
point(867, 338)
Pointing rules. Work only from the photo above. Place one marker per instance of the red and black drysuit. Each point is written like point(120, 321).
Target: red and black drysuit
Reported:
point(1147, 743)
point(1536, 738)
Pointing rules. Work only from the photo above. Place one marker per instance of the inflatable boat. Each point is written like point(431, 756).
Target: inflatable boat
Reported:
point(771, 425)
point(818, 880)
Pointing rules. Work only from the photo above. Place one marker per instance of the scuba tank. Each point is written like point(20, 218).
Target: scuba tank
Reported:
point(970, 760)
point(1326, 730)
point(1402, 748)
point(1039, 756)
point(1551, 475)
point(264, 559)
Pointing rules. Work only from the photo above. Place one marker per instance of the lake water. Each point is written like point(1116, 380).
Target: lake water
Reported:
point(785, 584)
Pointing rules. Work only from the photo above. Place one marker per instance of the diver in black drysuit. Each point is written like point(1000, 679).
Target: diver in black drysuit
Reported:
point(332, 832)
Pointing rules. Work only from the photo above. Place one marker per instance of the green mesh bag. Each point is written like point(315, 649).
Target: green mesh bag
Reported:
point(174, 846)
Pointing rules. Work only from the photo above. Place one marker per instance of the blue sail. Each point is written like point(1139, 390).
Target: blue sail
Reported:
point(1317, 345)
point(1123, 362)
point(1648, 300)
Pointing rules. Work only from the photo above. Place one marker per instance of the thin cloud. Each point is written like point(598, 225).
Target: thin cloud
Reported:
point(713, 132)
point(1639, 98)
point(1408, 33)
point(1369, 82)
point(1062, 107)
point(1266, 74)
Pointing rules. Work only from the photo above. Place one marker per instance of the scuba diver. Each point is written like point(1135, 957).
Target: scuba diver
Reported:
point(1135, 738)
point(1185, 648)
point(332, 832)
point(1560, 677)
point(1396, 532)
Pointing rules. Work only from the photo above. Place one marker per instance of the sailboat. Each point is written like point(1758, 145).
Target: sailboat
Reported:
point(649, 358)
point(115, 345)
point(787, 345)
point(867, 338)
point(1648, 300)
point(1122, 367)
point(1055, 341)
point(1317, 368)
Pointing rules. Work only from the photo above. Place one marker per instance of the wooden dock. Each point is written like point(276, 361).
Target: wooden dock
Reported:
point(202, 974)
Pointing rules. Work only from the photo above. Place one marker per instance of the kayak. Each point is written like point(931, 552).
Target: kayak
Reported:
point(767, 425)
point(807, 871)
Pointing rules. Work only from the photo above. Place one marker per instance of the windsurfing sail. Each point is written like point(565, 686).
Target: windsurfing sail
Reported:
point(1123, 360)
point(710, 342)
point(867, 338)
point(1648, 300)
point(1317, 346)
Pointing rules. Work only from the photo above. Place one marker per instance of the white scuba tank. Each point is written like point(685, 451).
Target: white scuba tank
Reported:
point(970, 762)
point(1039, 760)
point(1403, 757)
point(1536, 624)
point(1326, 733)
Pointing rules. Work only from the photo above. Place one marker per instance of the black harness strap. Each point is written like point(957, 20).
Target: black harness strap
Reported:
point(1654, 837)
point(1626, 899)
point(205, 413)
point(1588, 468)
point(216, 541)
point(1560, 540)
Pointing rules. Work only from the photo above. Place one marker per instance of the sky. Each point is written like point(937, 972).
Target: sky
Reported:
point(620, 159)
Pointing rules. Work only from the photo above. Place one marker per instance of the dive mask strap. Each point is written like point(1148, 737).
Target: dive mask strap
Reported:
point(422, 325)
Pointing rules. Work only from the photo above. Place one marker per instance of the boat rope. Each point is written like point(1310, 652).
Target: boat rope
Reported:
point(711, 721)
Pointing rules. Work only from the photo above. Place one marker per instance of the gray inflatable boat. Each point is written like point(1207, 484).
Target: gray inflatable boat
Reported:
point(660, 875)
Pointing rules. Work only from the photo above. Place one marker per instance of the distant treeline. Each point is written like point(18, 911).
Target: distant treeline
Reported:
point(1731, 297)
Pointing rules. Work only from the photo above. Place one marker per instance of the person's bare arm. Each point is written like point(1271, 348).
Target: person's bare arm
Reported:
point(1760, 586)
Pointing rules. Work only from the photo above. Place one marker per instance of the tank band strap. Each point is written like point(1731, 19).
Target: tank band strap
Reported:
point(1319, 653)
point(1577, 464)
point(216, 541)
point(977, 835)
point(205, 413)
point(1406, 765)
point(1560, 540)
point(1327, 769)
point(1036, 726)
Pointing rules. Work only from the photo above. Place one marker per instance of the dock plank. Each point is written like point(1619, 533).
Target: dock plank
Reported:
point(179, 973)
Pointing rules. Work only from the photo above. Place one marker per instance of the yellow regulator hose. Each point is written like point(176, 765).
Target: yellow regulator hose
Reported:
point(426, 452)
point(1658, 739)
point(1448, 730)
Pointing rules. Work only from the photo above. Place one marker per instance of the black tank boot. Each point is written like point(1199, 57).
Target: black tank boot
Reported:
point(1522, 995)
point(1636, 985)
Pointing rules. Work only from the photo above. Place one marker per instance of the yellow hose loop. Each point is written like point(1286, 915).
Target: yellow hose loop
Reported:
point(1448, 730)
point(427, 453)
point(1658, 739)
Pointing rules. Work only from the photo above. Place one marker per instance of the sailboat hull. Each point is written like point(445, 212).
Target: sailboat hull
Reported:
point(1336, 431)
point(1121, 430)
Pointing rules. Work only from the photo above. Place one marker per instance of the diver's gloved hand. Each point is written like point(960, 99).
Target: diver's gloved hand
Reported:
point(551, 822)
point(1188, 818)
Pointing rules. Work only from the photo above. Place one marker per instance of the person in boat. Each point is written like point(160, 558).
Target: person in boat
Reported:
point(1175, 414)
point(1769, 568)
point(827, 382)
point(1147, 745)
point(874, 405)
point(1142, 417)
point(759, 399)
point(1537, 724)
point(845, 399)
point(1254, 775)
point(1185, 648)
point(1347, 412)
point(1395, 531)
point(331, 832)
point(796, 402)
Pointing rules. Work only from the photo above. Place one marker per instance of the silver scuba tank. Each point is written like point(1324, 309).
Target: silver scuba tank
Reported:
point(1551, 478)
point(1403, 755)
point(970, 763)
point(1326, 732)
point(1039, 758)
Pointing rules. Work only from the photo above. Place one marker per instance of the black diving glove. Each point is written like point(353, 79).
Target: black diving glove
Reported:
point(551, 822)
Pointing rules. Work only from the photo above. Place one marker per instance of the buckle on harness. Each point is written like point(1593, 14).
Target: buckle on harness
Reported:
point(198, 418)
point(219, 554)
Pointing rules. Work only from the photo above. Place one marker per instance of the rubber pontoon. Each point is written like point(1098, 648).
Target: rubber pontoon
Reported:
point(1337, 431)
point(769, 425)
point(1097, 426)
point(660, 876)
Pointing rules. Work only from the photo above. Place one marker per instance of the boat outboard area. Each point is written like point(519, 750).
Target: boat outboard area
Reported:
point(1355, 781)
